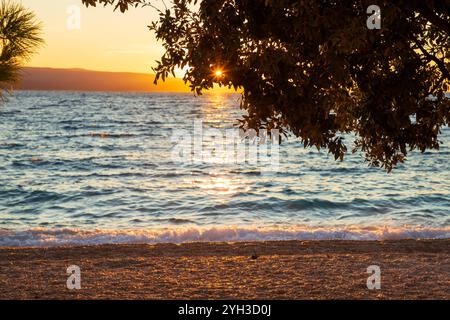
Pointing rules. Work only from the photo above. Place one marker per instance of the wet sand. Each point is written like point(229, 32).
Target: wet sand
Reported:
point(255, 270)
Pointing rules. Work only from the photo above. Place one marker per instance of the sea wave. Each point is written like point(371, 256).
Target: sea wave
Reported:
point(105, 161)
point(39, 237)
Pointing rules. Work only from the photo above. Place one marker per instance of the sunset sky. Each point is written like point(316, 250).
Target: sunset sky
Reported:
point(106, 40)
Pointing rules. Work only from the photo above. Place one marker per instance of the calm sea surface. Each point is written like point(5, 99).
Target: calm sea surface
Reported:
point(98, 168)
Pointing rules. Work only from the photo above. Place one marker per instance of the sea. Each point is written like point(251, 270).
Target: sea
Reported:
point(79, 168)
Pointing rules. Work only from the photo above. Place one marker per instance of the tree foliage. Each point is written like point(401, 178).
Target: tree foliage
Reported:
point(123, 5)
point(19, 38)
point(314, 68)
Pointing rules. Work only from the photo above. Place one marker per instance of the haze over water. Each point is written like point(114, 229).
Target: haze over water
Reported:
point(97, 168)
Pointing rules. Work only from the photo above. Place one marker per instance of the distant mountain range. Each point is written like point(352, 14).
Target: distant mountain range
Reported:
point(85, 80)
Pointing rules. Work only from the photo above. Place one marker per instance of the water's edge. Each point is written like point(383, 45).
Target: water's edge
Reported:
point(64, 237)
point(97, 168)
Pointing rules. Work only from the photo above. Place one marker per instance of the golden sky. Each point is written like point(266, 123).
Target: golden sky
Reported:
point(106, 40)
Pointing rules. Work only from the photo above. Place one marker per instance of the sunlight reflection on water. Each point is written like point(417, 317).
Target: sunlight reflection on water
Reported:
point(100, 160)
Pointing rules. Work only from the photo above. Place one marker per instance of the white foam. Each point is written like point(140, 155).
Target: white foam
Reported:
point(60, 237)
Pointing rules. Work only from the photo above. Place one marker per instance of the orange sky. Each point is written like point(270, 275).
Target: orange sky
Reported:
point(106, 40)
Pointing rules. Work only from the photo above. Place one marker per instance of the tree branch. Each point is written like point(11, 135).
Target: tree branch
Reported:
point(441, 65)
point(429, 14)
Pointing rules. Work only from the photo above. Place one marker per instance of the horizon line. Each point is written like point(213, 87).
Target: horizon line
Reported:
point(90, 70)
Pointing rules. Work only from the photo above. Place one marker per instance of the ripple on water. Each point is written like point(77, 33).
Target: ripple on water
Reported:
point(103, 161)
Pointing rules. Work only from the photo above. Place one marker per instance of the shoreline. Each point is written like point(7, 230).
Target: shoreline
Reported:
point(46, 237)
point(323, 269)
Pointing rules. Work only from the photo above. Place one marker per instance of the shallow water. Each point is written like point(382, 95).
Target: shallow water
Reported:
point(98, 167)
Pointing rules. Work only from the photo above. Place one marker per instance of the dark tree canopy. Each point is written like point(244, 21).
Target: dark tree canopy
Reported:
point(313, 67)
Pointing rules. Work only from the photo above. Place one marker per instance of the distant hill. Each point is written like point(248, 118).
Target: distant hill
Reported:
point(85, 80)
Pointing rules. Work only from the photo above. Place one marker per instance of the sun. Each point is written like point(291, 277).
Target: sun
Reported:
point(218, 73)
